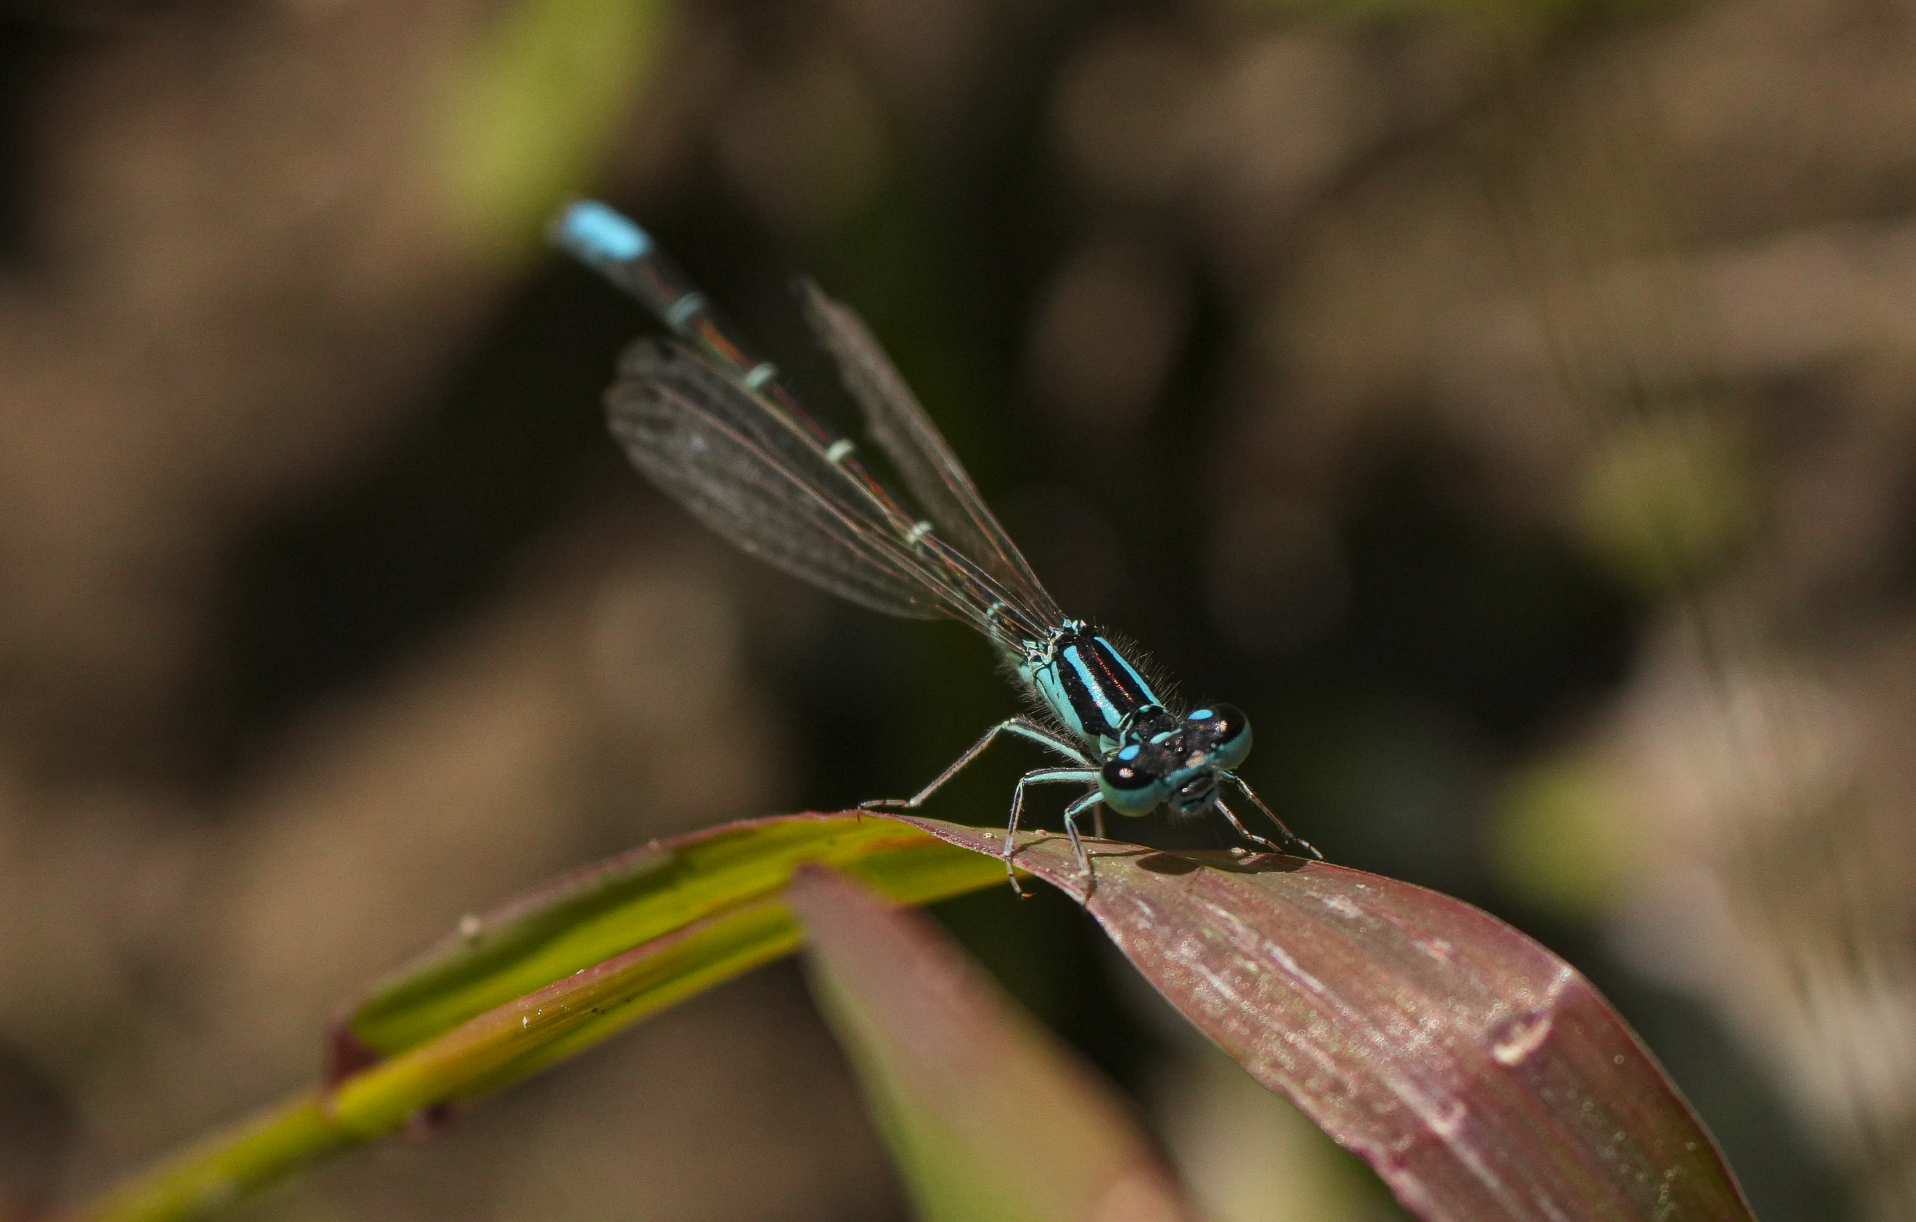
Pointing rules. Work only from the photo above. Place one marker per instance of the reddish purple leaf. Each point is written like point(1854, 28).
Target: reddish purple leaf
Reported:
point(1479, 1074)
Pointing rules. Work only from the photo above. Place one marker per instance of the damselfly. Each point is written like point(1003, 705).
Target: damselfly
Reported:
point(711, 424)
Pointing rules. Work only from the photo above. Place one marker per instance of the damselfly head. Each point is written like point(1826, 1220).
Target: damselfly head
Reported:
point(1176, 763)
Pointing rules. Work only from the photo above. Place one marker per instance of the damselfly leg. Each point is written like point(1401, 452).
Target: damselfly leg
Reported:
point(1071, 813)
point(1044, 776)
point(1026, 728)
point(1023, 727)
point(1293, 844)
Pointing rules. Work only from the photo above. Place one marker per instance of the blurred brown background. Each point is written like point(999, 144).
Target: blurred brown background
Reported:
point(1510, 406)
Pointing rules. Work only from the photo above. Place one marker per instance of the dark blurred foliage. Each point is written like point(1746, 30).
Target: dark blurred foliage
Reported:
point(1508, 406)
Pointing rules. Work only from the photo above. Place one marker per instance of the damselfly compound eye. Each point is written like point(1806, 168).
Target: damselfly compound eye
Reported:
point(1132, 783)
point(1225, 731)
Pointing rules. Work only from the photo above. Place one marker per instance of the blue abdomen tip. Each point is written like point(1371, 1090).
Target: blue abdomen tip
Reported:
point(594, 231)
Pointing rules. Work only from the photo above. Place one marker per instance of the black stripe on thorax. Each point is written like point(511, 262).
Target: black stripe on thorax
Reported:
point(1103, 691)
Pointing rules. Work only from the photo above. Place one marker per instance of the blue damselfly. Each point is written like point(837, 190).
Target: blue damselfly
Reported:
point(711, 423)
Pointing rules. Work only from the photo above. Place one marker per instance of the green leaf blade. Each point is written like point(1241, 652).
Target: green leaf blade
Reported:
point(544, 978)
point(541, 1028)
point(595, 914)
point(215, 1173)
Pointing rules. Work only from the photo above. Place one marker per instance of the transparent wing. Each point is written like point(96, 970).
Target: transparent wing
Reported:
point(713, 425)
point(773, 490)
point(931, 472)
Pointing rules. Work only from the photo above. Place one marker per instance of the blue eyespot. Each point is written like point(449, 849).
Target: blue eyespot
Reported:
point(1201, 715)
point(1130, 752)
